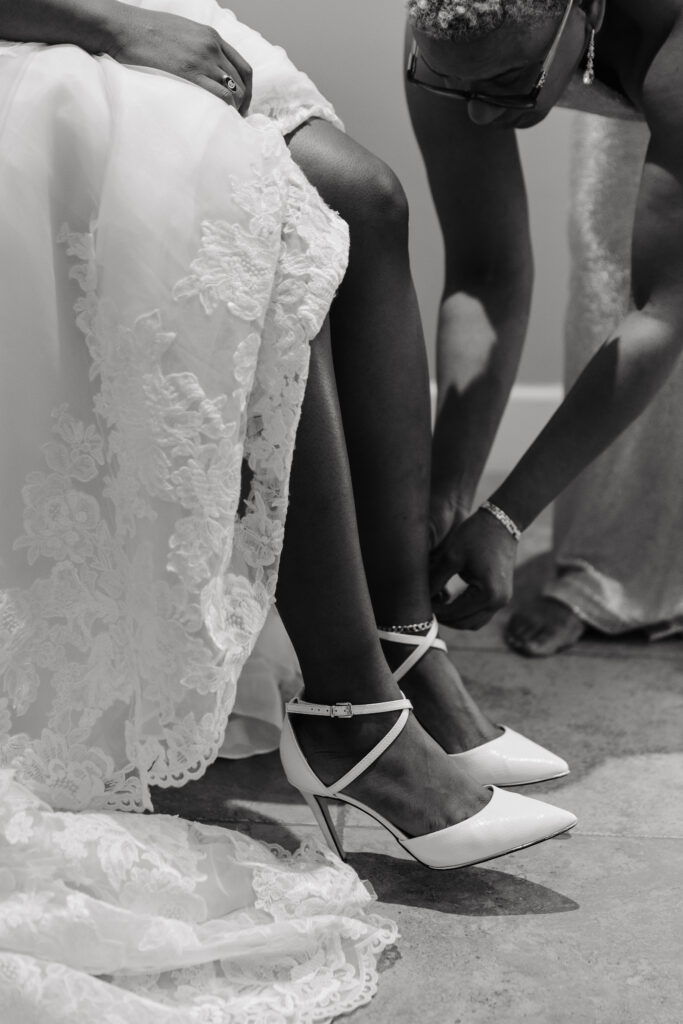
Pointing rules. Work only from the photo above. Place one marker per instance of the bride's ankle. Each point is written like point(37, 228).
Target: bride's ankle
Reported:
point(333, 746)
point(358, 676)
point(359, 687)
point(340, 733)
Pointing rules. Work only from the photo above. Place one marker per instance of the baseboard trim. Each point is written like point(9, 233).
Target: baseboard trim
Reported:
point(528, 410)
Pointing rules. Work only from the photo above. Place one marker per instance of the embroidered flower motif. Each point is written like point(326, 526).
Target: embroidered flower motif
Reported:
point(164, 522)
point(18, 829)
point(58, 520)
point(261, 536)
point(233, 614)
point(81, 452)
point(194, 547)
point(13, 614)
point(24, 910)
point(163, 893)
point(234, 268)
point(71, 777)
point(22, 684)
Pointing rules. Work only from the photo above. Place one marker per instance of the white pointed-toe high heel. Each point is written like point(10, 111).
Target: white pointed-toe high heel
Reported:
point(507, 760)
point(508, 822)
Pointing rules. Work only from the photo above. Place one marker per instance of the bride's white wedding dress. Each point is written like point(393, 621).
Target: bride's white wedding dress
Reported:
point(163, 268)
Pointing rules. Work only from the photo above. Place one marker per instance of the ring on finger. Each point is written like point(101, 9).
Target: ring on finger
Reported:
point(229, 83)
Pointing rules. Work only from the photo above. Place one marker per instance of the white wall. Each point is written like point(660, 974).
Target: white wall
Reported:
point(353, 51)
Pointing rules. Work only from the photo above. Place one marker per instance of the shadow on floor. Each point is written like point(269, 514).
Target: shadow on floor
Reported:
point(214, 795)
point(471, 892)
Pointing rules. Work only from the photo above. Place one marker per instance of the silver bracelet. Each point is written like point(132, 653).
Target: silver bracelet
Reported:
point(503, 518)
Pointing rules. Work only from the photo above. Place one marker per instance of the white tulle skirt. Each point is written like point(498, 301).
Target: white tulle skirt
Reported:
point(163, 269)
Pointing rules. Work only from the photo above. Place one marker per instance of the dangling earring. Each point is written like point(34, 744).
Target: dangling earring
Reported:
point(589, 73)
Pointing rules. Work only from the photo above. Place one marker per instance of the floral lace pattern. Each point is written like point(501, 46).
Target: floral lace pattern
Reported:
point(135, 894)
point(152, 371)
point(115, 620)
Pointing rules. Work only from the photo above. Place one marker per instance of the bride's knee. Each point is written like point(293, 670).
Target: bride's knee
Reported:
point(360, 186)
point(376, 198)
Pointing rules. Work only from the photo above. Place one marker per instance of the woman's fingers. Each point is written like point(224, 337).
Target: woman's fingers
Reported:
point(443, 565)
point(470, 624)
point(472, 602)
point(469, 610)
point(217, 86)
point(236, 62)
point(232, 79)
point(234, 89)
point(228, 84)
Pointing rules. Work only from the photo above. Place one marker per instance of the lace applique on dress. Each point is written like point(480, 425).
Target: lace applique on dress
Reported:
point(154, 573)
point(141, 533)
point(219, 927)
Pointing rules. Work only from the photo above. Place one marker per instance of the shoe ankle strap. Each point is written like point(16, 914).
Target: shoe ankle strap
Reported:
point(347, 710)
point(422, 644)
point(344, 709)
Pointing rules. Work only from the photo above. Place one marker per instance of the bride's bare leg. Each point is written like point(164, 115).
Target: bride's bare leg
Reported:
point(382, 378)
point(325, 605)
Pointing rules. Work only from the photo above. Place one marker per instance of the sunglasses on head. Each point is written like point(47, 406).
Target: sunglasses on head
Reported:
point(509, 101)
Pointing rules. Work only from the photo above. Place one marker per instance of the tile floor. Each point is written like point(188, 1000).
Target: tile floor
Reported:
point(587, 928)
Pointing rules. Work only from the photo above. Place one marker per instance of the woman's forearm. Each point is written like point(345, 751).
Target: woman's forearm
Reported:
point(91, 24)
point(616, 386)
point(481, 335)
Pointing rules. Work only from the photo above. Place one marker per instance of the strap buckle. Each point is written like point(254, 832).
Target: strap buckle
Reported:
point(343, 709)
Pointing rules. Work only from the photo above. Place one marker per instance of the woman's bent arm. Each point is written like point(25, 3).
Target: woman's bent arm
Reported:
point(476, 181)
point(91, 24)
point(135, 36)
point(616, 385)
point(623, 377)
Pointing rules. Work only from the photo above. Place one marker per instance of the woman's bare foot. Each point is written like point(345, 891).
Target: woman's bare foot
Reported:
point(442, 704)
point(544, 627)
point(413, 784)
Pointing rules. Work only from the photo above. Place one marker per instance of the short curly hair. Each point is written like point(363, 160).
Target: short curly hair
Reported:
point(458, 19)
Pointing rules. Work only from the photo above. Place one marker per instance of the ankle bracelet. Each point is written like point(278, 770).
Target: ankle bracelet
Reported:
point(411, 627)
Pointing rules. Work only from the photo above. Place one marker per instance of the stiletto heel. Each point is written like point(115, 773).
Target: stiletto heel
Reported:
point(321, 813)
point(508, 822)
point(507, 760)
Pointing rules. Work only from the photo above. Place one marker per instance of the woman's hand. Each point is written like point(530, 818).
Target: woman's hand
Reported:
point(445, 515)
point(482, 553)
point(188, 49)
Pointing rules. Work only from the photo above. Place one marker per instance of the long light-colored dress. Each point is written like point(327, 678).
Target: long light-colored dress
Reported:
point(163, 268)
point(618, 527)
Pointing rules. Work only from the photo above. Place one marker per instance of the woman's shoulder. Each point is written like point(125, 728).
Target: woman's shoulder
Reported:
point(598, 98)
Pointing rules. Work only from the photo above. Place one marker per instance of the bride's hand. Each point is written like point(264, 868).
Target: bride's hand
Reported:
point(188, 49)
point(482, 553)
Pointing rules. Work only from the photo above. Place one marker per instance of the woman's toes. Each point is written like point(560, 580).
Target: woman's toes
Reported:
point(521, 628)
point(545, 627)
point(543, 643)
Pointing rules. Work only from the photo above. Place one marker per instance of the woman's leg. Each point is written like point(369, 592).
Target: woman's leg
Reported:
point(325, 606)
point(381, 369)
